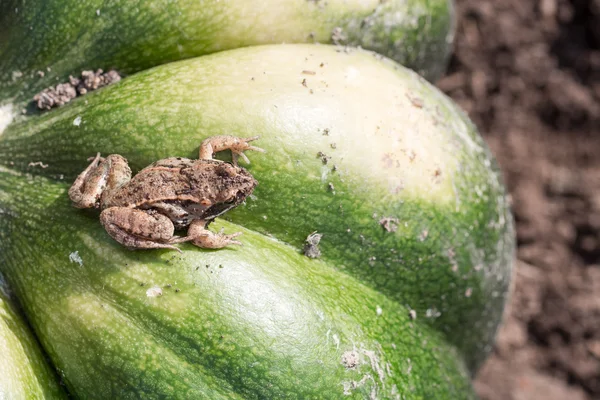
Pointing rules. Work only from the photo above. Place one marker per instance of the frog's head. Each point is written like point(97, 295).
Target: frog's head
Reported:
point(231, 187)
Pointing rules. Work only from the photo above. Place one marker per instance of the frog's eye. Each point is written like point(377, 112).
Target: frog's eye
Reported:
point(226, 170)
point(206, 202)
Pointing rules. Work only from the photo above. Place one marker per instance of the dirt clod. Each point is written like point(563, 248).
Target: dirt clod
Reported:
point(62, 93)
point(311, 245)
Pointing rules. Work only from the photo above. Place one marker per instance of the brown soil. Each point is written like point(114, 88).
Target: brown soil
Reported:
point(528, 73)
point(59, 95)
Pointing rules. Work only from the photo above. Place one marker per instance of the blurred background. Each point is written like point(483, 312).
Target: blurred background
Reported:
point(528, 74)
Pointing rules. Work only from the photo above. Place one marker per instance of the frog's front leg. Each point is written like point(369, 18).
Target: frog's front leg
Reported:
point(101, 178)
point(138, 229)
point(202, 237)
point(226, 142)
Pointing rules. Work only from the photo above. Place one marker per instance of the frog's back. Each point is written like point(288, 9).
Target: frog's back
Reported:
point(164, 180)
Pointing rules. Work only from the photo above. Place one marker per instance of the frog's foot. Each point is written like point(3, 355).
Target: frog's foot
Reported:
point(138, 229)
point(84, 193)
point(102, 175)
point(202, 237)
point(237, 146)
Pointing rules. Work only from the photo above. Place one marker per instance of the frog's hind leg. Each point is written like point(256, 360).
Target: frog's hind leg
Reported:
point(103, 175)
point(138, 229)
point(237, 146)
point(87, 188)
point(202, 237)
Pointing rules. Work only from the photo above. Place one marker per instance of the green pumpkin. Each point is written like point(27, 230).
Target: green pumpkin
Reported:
point(42, 42)
point(416, 251)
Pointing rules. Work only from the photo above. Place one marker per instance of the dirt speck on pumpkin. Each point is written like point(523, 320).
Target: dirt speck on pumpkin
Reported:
point(337, 35)
point(350, 359)
point(389, 224)
point(324, 157)
point(410, 154)
point(415, 101)
point(311, 245)
point(432, 313)
point(437, 175)
point(37, 164)
point(74, 257)
point(59, 95)
point(154, 291)
point(412, 314)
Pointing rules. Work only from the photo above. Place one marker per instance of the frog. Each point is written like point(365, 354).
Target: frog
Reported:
point(171, 194)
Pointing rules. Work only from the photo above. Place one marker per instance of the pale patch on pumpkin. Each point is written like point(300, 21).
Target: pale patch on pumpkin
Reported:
point(6, 116)
point(398, 140)
point(375, 364)
point(357, 359)
point(350, 386)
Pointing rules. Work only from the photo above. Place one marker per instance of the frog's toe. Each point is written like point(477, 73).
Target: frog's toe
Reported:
point(230, 239)
point(210, 240)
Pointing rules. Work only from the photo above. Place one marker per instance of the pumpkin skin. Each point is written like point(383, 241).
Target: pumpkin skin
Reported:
point(24, 372)
point(42, 42)
point(264, 321)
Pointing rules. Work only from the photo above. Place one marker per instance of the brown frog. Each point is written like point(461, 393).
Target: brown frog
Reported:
point(144, 211)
